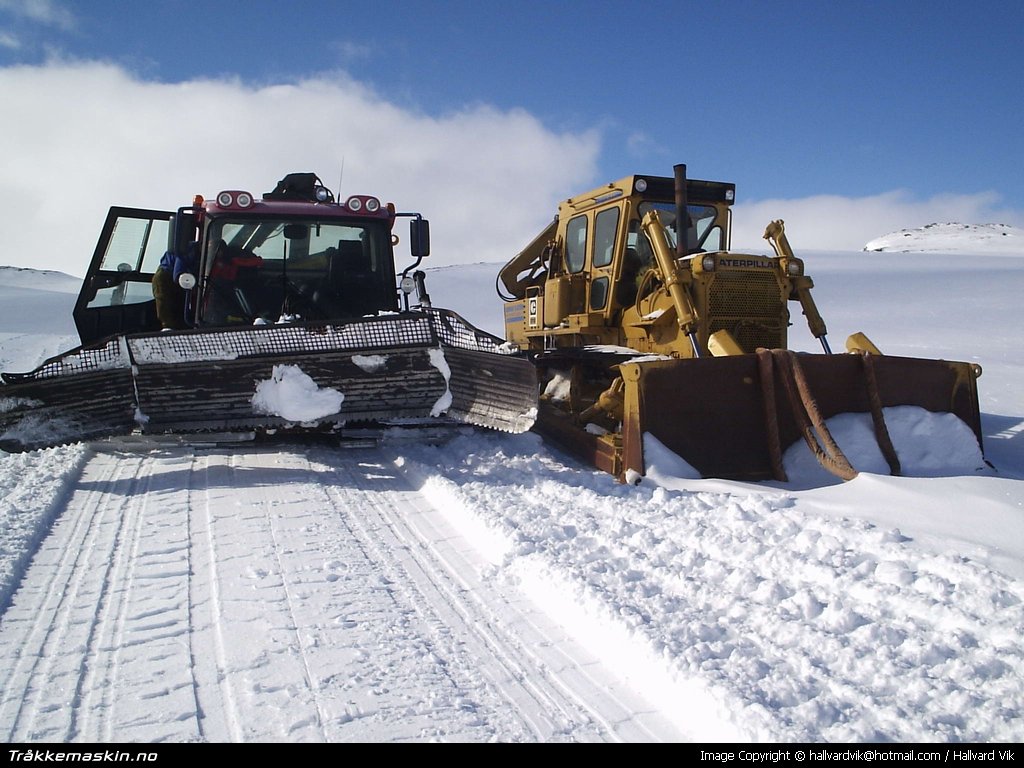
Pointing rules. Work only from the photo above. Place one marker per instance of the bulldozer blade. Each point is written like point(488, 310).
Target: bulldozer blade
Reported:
point(427, 367)
point(712, 411)
point(82, 395)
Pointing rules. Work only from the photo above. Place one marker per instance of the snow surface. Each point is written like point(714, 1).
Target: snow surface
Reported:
point(491, 588)
point(952, 237)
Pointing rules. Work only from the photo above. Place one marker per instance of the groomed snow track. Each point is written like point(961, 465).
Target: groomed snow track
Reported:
point(289, 595)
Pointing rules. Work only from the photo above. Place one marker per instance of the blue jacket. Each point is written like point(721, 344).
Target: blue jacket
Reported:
point(177, 263)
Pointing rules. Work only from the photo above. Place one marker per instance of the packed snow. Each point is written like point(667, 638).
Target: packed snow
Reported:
point(492, 588)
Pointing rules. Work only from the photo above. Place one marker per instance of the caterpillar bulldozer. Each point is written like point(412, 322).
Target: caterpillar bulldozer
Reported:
point(242, 316)
point(644, 324)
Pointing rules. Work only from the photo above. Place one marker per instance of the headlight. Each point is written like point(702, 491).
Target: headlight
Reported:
point(322, 194)
point(794, 267)
point(354, 204)
point(234, 198)
point(708, 263)
point(372, 204)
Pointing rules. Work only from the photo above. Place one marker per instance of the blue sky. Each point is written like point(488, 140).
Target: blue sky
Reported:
point(914, 104)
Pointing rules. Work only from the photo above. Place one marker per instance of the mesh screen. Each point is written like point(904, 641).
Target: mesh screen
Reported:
point(745, 294)
point(429, 328)
point(79, 360)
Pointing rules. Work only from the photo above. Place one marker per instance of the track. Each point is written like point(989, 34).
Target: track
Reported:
point(284, 595)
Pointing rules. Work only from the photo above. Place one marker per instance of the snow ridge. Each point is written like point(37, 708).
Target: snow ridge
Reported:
point(952, 237)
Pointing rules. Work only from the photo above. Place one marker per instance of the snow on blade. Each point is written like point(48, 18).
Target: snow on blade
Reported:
point(371, 363)
point(293, 395)
point(927, 444)
point(444, 402)
point(661, 463)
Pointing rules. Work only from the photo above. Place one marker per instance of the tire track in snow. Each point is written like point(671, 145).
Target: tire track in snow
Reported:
point(93, 699)
point(281, 595)
point(213, 693)
point(77, 603)
point(103, 610)
point(553, 687)
point(44, 618)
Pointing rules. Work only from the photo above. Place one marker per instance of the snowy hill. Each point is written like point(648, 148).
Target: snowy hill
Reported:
point(953, 238)
point(38, 279)
point(494, 589)
point(35, 316)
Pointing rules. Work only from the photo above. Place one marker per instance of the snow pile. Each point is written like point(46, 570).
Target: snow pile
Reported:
point(952, 237)
point(293, 395)
point(663, 467)
point(927, 445)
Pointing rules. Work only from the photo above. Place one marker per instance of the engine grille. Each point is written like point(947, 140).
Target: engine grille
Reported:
point(749, 305)
point(746, 295)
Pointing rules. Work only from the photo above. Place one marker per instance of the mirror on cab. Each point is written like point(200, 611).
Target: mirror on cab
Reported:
point(419, 238)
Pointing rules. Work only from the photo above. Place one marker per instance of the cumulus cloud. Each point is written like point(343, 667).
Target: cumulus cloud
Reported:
point(829, 222)
point(80, 137)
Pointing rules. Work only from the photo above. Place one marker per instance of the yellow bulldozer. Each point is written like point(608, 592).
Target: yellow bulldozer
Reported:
point(643, 324)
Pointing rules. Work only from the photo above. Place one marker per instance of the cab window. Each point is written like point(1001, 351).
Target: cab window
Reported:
point(605, 226)
point(576, 244)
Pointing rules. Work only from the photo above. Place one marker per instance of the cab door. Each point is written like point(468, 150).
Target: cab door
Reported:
point(117, 294)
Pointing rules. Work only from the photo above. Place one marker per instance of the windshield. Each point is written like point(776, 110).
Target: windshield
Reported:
point(701, 219)
point(263, 270)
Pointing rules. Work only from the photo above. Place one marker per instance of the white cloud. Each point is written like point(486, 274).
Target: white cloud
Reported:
point(48, 12)
point(830, 222)
point(9, 41)
point(80, 137)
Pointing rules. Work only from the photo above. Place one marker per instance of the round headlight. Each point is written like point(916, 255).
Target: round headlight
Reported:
point(794, 267)
point(354, 204)
point(641, 185)
point(708, 263)
point(224, 199)
point(322, 194)
point(372, 204)
point(244, 200)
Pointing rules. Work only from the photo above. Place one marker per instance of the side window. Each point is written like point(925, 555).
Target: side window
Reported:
point(135, 245)
point(599, 293)
point(576, 244)
point(605, 226)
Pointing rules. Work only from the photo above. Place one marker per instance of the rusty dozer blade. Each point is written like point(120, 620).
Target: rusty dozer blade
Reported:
point(429, 367)
point(731, 417)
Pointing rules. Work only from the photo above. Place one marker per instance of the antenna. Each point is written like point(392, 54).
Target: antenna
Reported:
point(341, 175)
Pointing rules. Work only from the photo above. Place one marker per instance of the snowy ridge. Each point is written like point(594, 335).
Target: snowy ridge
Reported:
point(39, 279)
point(953, 238)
